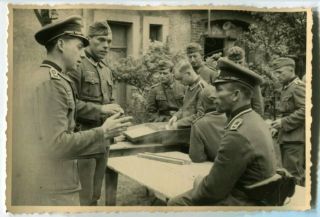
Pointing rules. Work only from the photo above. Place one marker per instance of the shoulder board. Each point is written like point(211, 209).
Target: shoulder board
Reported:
point(54, 74)
point(236, 124)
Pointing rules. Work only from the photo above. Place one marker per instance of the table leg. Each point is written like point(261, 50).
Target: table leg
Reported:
point(111, 182)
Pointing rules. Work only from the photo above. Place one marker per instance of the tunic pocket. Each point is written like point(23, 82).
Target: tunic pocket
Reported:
point(91, 85)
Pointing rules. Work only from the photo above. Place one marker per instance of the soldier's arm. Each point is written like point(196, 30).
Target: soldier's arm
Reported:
point(112, 99)
point(257, 101)
point(52, 106)
point(152, 105)
point(89, 110)
point(296, 118)
point(229, 165)
point(197, 145)
point(188, 121)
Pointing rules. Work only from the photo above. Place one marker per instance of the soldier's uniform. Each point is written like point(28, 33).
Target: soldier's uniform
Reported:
point(245, 156)
point(57, 146)
point(93, 81)
point(55, 106)
point(164, 100)
point(292, 133)
point(205, 137)
point(257, 100)
point(192, 107)
point(207, 74)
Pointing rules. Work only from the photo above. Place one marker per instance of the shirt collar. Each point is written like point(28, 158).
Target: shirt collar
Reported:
point(52, 64)
point(93, 60)
point(237, 113)
point(239, 110)
point(287, 84)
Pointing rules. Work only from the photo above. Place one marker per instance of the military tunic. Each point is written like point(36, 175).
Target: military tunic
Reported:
point(257, 100)
point(205, 136)
point(207, 74)
point(245, 156)
point(56, 145)
point(164, 100)
point(192, 107)
point(292, 133)
point(94, 82)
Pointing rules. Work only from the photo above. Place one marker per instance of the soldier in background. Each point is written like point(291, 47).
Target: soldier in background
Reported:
point(206, 132)
point(194, 53)
point(237, 55)
point(94, 83)
point(56, 146)
point(291, 125)
point(192, 107)
point(166, 97)
point(245, 156)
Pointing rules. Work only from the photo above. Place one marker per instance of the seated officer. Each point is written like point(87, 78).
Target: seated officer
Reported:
point(206, 132)
point(245, 155)
point(194, 53)
point(237, 55)
point(192, 107)
point(166, 97)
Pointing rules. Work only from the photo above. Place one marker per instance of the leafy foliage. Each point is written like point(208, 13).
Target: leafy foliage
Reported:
point(142, 73)
point(273, 35)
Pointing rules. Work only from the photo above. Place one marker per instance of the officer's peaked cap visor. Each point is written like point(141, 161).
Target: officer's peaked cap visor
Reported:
point(70, 26)
point(233, 72)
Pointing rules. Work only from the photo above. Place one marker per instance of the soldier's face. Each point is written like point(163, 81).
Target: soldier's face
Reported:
point(100, 45)
point(195, 59)
point(72, 50)
point(284, 74)
point(225, 97)
point(166, 76)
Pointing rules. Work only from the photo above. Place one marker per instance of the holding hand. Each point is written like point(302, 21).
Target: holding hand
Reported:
point(115, 125)
point(111, 109)
point(276, 124)
point(172, 120)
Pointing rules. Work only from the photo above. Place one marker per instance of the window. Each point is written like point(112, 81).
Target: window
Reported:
point(155, 33)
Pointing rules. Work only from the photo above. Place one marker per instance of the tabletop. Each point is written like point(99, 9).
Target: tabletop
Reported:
point(165, 179)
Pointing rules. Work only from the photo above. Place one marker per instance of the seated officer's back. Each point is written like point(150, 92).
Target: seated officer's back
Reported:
point(206, 132)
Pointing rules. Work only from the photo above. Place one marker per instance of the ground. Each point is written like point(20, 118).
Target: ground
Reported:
point(131, 193)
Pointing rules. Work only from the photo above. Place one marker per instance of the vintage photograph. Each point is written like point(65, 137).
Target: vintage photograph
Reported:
point(158, 109)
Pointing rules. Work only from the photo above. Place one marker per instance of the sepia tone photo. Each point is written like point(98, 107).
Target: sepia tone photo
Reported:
point(126, 108)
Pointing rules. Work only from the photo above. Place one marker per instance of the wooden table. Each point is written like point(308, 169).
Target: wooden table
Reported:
point(128, 148)
point(166, 180)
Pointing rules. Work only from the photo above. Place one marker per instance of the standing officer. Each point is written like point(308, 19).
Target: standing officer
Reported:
point(246, 155)
point(165, 98)
point(194, 53)
point(192, 107)
point(237, 55)
point(93, 81)
point(291, 125)
point(56, 144)
point(206, 132)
